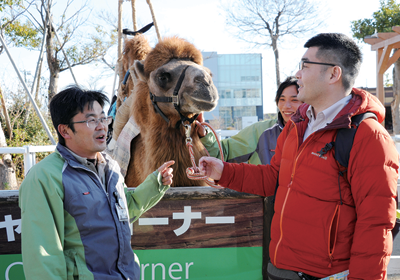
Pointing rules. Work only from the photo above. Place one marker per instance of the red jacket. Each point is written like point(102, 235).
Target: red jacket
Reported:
point(311, 230)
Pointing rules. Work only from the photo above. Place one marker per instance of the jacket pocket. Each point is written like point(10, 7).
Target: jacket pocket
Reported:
point(72, 264)
point(333, 229)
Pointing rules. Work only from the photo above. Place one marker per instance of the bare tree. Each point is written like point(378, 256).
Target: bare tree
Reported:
point(264, 22)
point(15, 32)
point(8, 180)
point(71, 39)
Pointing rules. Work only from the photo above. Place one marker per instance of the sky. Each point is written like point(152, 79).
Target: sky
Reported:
point(203, 24)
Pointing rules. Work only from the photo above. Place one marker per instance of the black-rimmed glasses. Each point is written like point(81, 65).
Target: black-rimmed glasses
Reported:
point(93, 123)
point(301, 63)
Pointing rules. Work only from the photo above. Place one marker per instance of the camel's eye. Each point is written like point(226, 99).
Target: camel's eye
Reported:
point(163, 79)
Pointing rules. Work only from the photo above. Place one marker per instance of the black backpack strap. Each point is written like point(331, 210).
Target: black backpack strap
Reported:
point(344, 143)
point(345, 138)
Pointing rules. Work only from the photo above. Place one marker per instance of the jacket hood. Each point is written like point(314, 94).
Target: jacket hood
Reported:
point(362, 101)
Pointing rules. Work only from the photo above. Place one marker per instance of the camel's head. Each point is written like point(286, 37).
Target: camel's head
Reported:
point(162, 69)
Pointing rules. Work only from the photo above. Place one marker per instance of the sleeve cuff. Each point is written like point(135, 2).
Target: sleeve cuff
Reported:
point(226, 174)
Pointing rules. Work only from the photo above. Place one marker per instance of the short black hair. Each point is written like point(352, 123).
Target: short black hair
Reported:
point(69, 102)
point(289, 81)
point(339, 49)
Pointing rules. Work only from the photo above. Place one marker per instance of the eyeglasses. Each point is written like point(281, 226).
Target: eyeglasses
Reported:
point(301, 63)
point(93, 123)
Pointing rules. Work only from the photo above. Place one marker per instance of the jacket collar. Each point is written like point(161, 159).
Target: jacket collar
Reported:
point(280, 120)
point(361, 102)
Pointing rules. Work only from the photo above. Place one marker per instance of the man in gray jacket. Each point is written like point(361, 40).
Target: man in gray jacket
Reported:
point(75, 208)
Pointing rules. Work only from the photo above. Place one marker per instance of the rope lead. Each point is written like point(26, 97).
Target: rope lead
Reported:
point(193, 172)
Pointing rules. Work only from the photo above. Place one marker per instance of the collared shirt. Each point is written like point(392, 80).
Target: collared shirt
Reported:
point(325, 117)
point(97, 167)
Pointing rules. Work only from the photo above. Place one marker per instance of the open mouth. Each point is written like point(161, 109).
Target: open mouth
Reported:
point(288, 113)
point(101, 137)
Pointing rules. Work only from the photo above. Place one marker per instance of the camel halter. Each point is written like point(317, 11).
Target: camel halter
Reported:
point(193, 172)
point(172, 99)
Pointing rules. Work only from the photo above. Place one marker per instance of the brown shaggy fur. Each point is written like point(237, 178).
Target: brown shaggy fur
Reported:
point(158, 141)
point(168, 49)
point(135, 48)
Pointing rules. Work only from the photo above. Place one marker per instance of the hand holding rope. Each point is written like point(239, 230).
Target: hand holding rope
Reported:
point(193, 172)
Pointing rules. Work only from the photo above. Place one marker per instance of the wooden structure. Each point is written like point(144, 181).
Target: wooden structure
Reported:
point(383, 43)
point(120, 35)
point(199, 232)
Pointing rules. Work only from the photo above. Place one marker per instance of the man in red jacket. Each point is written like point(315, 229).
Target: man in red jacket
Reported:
point(325, 223)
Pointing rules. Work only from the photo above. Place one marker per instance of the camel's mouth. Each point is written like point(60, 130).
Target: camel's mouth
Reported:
point(205, 105)
point(196, 103)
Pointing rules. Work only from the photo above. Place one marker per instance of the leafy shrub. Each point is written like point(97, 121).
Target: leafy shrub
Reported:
point(30, 132)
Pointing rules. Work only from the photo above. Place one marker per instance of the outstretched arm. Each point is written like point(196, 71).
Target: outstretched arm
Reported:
point(150, 192)
point(166, 172)
point(238, 148)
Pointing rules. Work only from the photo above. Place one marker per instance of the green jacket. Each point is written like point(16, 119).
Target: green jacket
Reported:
point(245, 146)
point(70, 225)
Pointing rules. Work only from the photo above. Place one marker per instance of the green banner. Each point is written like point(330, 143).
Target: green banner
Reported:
point(235, 263)
point(11, 267)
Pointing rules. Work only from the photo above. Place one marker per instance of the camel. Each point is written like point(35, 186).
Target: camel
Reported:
point(162, 131)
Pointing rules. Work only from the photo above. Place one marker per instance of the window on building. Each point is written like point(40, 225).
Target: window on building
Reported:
point(225, 93)
point(253, 93)
point(238, 93)
point(249, 78)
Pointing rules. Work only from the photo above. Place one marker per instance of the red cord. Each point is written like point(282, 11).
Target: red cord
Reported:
point(193, 173)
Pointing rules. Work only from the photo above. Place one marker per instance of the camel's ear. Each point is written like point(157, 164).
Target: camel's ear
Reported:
point(134, 76)
point(139, 70)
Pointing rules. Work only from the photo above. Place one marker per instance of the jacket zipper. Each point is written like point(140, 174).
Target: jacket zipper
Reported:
point(87, 169)
point(331, 249)
point(287, 194)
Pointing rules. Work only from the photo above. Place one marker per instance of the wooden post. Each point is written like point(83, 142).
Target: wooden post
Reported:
point(119, 61)
point(134, 15)
point(5, 112)
point(383, 43)
point(154, 19)
point(380, 89)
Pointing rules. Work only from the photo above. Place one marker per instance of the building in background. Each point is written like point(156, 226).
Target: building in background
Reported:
point(238, 78)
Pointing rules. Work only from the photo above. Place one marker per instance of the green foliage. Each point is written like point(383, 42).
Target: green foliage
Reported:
point(32, 133)
point(382, 20)
point(7, 186)
point(4, 3)
point(388, 82)
point(22, 34)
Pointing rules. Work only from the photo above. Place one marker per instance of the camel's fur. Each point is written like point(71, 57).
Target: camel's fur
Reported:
point(135, 48)
point(158, 141)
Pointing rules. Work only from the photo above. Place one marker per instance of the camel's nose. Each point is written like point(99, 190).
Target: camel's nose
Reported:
point(203, 79)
